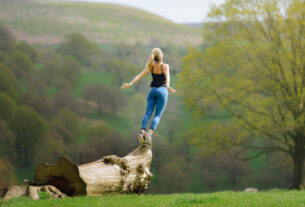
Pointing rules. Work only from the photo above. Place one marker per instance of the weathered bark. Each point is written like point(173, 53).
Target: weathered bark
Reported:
point(108, 175)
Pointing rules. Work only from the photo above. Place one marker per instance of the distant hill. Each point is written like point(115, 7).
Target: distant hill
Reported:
point(47, 22)
point(195, 24)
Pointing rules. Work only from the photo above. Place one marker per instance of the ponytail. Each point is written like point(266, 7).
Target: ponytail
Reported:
point(150, 62)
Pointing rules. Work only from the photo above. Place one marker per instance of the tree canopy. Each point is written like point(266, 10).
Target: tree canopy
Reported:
point(251, 76)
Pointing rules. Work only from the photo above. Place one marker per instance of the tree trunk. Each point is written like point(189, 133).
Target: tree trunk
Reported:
point(108, 175)
point(298, 164)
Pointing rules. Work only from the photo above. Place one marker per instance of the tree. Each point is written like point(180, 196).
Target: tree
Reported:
point(251, 77)
point(69, 70)
point(68, 125)
point(27, 49)
point(7, 142)
point(29, 128)
point(42, 104)
point(123, 71)
point(7, 171)
point(106, 97)
point(101, 141)
point(8, 82)
point(22, 64)
point(6, 38)
point(78, 46)
point(7, 107)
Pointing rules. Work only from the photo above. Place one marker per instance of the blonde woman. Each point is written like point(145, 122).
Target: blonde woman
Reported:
point(157, 96)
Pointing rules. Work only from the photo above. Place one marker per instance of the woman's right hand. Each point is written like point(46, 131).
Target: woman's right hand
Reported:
point(126, 85)
point(170, 89)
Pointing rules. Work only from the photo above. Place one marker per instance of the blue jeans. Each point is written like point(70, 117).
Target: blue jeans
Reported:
point(157, 97)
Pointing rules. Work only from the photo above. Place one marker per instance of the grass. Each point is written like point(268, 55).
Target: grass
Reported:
point(91, 77)
point(272, 198)
point(50, 21)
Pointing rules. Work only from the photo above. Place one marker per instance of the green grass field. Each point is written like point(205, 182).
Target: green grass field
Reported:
point(47, 22)
point(272, 198)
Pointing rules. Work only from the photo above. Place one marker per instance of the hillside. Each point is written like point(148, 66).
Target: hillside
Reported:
point(47, 22)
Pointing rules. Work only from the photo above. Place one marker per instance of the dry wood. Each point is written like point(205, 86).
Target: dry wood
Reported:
point(108, 175)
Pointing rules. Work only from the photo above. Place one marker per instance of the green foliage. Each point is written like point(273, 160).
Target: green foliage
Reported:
point(252, 68)
point(7, 107)
point(6, 38)
point(107, 98)
point(69, 70)
point(6, 170)
point(68, 125)
point(79, 47)
point(123, 71)
point(7, 142)
point(22, 63)
point(251, 73)
point(29, 128)
point(28, 50)
point(8, 82)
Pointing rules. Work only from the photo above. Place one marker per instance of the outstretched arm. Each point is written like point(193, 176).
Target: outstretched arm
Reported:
point(167, 75)
point(136, 79)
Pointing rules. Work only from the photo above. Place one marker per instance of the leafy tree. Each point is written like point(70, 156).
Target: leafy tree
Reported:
point(64, 99)
point(7, 40)
point(42, 104)
point(101, 141)
point(7, 107)
point(69, 70)
point(251, 76)
point(136, 107)
point(123, 71)
point(7, 142)
point(50, 149)
point(22, 64)
point(8, 82)
point(29, 128)
point(7, 172)
point(78, 46)
point(106, 97)
point(67, 124)
point(28, 50)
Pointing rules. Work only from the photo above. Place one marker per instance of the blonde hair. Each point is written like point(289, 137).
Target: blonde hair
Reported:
point(156, 55)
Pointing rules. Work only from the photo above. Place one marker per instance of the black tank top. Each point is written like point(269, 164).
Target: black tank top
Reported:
point(159, 80)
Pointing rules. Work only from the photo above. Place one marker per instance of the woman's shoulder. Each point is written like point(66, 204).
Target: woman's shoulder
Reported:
point(165, 66)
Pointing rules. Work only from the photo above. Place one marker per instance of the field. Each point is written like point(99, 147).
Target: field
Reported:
point(271, 198)
point(47, 22)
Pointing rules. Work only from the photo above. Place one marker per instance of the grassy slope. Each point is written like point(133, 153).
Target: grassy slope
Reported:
point(272, 198)
point(47, 22)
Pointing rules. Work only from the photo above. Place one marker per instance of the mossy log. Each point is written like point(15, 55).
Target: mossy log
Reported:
point(108, 175)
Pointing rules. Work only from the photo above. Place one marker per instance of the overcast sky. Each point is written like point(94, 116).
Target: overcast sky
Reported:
point(180, 11)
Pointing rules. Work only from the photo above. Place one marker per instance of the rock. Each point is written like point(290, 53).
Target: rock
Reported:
point(251, 190)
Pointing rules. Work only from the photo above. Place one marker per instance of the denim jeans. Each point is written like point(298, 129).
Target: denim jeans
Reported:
point(157, 98)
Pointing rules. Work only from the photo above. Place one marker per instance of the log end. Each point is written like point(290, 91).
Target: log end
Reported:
point(64, 175)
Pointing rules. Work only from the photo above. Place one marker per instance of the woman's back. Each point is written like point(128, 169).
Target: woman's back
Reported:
point(158, 76)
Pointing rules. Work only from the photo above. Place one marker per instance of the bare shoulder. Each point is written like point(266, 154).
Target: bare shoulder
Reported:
point(166, 66)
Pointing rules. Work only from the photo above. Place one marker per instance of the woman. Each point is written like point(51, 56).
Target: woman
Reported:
point(157, 96)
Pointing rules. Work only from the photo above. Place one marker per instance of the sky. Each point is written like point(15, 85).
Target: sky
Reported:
point(179, 11)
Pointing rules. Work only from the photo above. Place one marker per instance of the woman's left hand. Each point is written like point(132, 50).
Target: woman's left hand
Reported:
point(126, 85)
point(171, 90)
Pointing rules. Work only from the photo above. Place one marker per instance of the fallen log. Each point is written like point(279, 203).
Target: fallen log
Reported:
point(108, 175)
